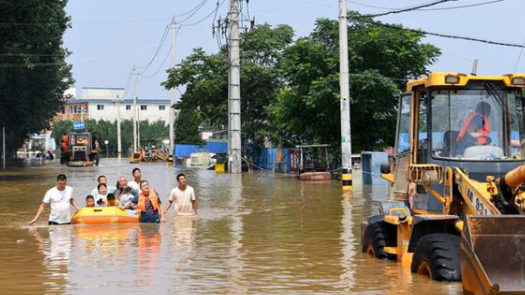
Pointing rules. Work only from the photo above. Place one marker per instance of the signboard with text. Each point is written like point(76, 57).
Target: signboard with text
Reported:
point(78, 125)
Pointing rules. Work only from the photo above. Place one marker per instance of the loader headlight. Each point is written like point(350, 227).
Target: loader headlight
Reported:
point(450, 79)
point(518, 81)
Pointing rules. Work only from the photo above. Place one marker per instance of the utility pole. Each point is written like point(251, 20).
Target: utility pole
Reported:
point(344, 84)
point(172, 102)
point(118, 102)
point(234, 90)
point(134, 81)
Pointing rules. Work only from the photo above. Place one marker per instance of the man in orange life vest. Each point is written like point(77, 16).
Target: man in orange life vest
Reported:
point(475, 129)
point(149, 204)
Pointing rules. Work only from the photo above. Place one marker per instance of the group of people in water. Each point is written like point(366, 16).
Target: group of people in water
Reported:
point(133, 195)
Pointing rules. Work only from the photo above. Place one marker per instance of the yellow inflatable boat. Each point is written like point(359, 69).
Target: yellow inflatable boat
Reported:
point(101, 215)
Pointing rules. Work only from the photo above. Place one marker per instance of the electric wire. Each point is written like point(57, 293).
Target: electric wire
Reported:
point(519, 57)
point(191, 15)
point(160, 67)
point(393, 27)
point(409, 8)
point(161, 44)
point(206, 17)
point(429, 9)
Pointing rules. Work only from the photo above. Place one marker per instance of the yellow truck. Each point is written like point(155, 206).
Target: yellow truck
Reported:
point(457, 197)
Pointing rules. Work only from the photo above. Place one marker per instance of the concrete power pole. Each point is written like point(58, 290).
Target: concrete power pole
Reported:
point(134, 81)
point(234, 90)
point(344, 83)
point(172, 102)
point(118, 102)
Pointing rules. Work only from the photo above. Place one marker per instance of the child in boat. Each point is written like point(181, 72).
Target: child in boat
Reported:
point(112, 201)
point(90, 201)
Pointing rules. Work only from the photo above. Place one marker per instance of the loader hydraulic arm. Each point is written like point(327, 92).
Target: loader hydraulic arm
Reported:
point(508, 186)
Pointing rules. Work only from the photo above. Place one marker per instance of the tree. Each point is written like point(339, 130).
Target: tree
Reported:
point(33, 70)
point(206, 79)
point(381, 60)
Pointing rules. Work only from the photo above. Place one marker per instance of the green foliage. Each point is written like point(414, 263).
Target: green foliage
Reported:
point(205, 101)
point(36, 74)
point(381, 61)
point(290, 90)
point(107, 130)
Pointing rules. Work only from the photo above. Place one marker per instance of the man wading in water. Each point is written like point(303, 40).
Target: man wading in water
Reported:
point(60, 197)
point(184, 198)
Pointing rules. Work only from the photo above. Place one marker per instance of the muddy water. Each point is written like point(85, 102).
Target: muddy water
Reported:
point(256, 233)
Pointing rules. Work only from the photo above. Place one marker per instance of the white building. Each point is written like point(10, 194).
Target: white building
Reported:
point(101, 104)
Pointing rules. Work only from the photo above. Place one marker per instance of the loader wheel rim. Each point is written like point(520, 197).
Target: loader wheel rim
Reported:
point(424, 269)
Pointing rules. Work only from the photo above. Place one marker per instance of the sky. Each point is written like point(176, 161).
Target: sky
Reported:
point(108, 38)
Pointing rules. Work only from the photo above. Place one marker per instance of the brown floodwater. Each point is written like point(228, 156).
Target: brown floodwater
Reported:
point(256, 233)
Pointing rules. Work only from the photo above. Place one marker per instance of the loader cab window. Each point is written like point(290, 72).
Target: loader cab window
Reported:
point(423, 143)
point(476, 124)
point(403, 124)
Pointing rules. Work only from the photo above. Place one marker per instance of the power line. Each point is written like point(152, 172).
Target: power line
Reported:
point(161, 44)
point(439, 34)
point(160, 67)
point(189, 11)
point(409, 8)
point(206, 17)
point(429, 9)
point(199, 7)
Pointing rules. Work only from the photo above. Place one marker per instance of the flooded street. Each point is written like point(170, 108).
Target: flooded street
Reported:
point(256, 233)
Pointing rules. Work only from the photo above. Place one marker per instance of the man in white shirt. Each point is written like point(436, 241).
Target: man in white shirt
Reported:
point(135, 183)
point(184, 197)
point(60, 197)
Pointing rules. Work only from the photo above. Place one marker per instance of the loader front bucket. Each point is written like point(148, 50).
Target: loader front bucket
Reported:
point(492, 255)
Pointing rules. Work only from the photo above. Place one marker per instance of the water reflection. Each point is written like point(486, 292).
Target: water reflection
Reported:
point(56, 248)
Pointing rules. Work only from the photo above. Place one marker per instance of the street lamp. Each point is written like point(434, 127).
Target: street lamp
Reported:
point(107, 152)
point(118, 101)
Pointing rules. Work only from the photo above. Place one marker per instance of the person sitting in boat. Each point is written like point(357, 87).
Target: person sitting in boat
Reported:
point(104, 180)
point(125, 197)
point(112, 201)
point(101, 195)
point(148, 203)
point(90, 201)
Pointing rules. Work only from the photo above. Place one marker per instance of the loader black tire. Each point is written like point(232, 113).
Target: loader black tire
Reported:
point(379, 235)
point(437, 255)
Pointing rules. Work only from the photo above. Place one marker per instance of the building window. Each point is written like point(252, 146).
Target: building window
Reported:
point(100, 107)
point(128, 107)
point(162, 108)
point(77, 109)
point(143, 107)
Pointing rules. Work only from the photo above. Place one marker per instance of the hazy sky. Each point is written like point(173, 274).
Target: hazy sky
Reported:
point(109, 37)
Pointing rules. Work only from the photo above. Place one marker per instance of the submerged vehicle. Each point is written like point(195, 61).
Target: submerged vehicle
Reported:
point(104, 215)
point(313, 164)
point(457, 197)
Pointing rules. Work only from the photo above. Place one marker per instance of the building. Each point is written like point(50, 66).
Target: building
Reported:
point(101, 104)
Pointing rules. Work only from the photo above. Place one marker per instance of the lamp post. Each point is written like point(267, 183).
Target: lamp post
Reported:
point(118, 101)
point(107, 152)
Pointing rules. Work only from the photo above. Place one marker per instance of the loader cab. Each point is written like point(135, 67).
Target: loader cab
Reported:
point(455, 120)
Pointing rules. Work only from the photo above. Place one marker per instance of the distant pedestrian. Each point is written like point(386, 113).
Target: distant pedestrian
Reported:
point(61, 198)
point(184, 197)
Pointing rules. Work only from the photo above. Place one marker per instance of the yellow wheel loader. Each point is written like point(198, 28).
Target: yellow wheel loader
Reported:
point(457, 192)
